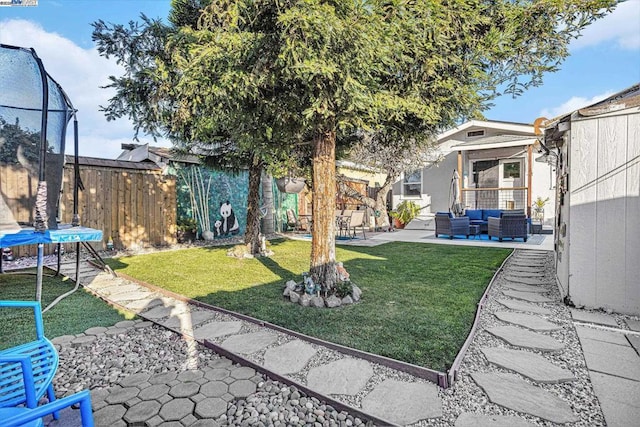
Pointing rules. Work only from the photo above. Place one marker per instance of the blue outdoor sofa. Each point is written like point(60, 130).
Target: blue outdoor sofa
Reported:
point(481, 216)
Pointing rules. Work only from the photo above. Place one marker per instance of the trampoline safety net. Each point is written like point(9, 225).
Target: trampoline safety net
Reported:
point(34, 113)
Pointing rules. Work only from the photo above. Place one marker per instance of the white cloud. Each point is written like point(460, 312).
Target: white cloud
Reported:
point(573, 104)
point(620, 28)
point(80, 72)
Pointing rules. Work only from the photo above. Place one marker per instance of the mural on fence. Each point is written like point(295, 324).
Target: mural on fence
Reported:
point(217, 200)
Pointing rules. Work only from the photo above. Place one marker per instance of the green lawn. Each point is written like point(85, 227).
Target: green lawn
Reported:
point(73, 315)
point(419, 300)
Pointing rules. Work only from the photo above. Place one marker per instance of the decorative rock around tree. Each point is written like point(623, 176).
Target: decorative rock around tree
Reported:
point(310, 294)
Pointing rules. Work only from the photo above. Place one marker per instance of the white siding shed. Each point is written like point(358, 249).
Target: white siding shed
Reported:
point(598, 203)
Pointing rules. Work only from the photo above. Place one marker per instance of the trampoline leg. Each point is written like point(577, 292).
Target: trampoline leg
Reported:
point(40, 261)
point(78, 262)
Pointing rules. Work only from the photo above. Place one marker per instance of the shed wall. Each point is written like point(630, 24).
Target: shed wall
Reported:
point(604, 194)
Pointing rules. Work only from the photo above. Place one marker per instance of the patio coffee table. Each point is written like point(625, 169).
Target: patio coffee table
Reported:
point(474, 230)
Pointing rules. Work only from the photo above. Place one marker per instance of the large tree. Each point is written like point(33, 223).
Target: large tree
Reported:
point(141, 48)
point(305, 74)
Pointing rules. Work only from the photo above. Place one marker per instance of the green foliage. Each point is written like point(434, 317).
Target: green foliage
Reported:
point(409, 290)
point(270, 75)
point(17, 142)
point(343, 288)
point(186, 12)
point(187, 224)
point(540, 202)
point(406, 211)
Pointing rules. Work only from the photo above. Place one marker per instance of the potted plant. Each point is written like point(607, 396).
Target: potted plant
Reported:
point(404, 213)
point(538, 208)
point(186, 230)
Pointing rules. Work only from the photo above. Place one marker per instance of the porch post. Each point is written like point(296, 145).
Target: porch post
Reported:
point(529, 177)
point(461, 178)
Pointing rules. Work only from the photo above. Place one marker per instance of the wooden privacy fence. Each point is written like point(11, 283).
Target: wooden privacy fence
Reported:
point(134, 204)
point(135, 207)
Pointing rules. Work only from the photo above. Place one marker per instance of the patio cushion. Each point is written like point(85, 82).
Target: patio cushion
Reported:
point(486, 213)
point(474, 214)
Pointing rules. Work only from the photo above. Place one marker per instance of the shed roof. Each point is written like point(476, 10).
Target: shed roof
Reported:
point(158, 155)
point(108, 163)
point(627, 98)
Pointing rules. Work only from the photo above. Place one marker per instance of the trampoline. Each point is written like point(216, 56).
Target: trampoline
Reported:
point(34, 115)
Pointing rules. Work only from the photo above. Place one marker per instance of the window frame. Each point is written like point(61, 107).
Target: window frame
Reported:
point(405, 183)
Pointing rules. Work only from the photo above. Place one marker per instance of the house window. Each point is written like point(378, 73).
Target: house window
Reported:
point(511, 170)
point(412, 184)
point(474, 133)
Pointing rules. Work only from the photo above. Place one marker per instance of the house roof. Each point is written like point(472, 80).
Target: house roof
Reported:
point(357, 166)
point(489, 124)
point(496, 141)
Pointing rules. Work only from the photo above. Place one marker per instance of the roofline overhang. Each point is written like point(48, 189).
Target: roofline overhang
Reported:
point(513, 127)
point(515, 143)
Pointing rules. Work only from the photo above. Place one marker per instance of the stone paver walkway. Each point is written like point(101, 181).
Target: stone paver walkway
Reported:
point(356, 382)
point(525, 328)
point(521, 373)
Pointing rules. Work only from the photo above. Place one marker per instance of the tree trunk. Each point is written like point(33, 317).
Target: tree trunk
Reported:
point(252, 234)
point(323, 238)
point(382, 221)
point(378, 204)
point(267, 199)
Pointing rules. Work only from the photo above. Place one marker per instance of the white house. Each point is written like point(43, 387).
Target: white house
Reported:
point(598, 185)
point(497, 165)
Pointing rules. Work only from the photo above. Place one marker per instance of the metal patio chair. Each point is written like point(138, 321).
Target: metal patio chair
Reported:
point(27, 370)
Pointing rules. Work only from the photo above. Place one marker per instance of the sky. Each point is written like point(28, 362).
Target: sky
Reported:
point(603, 61)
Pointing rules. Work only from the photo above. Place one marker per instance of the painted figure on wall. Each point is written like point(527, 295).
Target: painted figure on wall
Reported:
point(229, 222)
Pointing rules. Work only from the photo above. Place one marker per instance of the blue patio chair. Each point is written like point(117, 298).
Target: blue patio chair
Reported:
point(27, 370)
point(450, 226)
point(28, 417)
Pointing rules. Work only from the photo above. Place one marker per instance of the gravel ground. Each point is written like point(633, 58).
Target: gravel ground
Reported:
point(112, 358)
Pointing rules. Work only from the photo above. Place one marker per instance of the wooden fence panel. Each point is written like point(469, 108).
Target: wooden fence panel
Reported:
point(126, 210)
point(136, 208)
point(18, 188)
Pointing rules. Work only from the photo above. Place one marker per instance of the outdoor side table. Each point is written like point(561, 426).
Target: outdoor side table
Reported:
point(536, 228)
point(474, 230)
